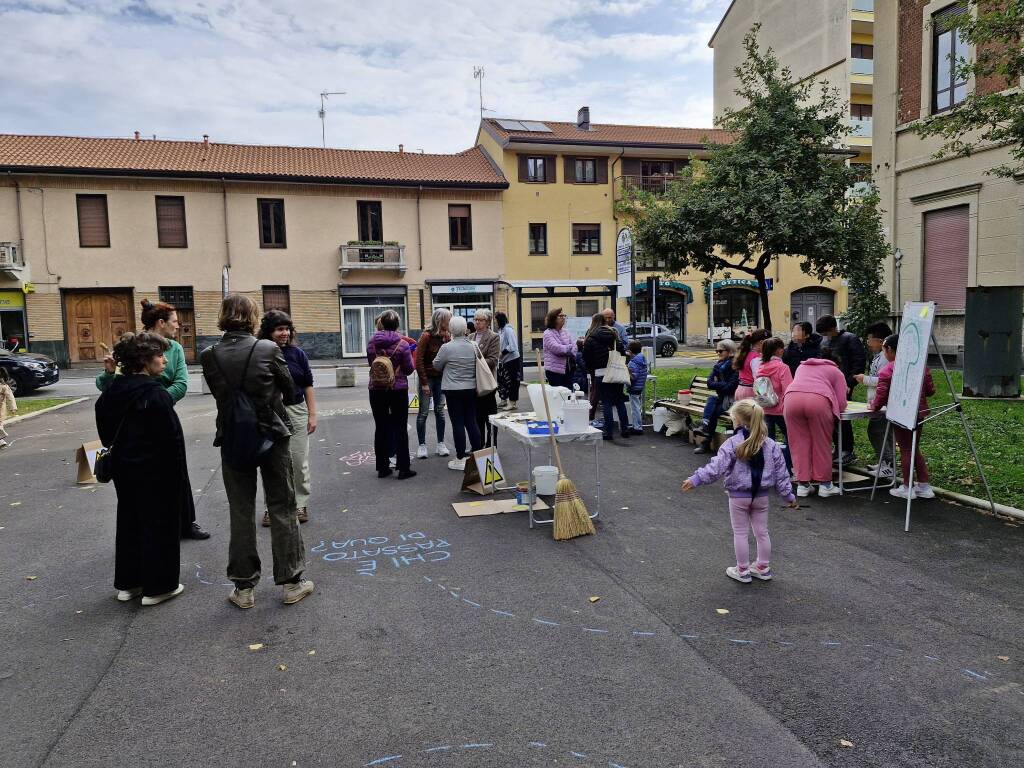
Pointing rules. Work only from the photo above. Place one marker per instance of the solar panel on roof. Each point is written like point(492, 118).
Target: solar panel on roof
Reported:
point(512, 125)
point(531, 125)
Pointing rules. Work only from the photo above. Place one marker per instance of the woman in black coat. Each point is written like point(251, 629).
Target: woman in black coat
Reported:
point(602, 339)
point(135, 418)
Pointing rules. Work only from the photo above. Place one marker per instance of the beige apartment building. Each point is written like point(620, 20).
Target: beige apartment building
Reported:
point(822, 40)
point(955, 225)
point(89, 227)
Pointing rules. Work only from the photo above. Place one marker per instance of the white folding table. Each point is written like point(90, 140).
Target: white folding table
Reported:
point(855, 410)
point(517, 430)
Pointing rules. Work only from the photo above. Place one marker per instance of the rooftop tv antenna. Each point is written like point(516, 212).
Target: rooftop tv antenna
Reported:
point(323, 112)
point(478, 74)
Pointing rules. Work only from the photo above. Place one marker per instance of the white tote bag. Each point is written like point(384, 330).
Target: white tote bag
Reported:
point(616, 371)
point(485, 381)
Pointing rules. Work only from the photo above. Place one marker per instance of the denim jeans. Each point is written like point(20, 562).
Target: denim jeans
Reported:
point(636, 407)
point(712, 411)
point(462, 409)
point(421, 415)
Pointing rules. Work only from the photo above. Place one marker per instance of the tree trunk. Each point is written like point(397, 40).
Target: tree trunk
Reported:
point(762, 289)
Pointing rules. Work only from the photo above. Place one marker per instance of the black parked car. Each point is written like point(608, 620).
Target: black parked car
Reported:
point(28, 371)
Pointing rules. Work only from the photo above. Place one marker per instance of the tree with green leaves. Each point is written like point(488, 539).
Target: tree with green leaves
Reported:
point(780, 187)
point(986, 117)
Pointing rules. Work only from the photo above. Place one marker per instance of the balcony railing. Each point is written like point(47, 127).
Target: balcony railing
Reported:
point(862, 66)
point(864, 5)
point(381, 257)
point(860, 127)
point(656, 185)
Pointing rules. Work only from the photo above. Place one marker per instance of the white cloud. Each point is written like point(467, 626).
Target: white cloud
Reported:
point(251, 70)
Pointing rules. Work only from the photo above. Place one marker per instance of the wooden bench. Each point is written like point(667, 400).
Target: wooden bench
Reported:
point(694, 410)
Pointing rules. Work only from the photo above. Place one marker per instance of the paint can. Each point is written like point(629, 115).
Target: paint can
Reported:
point(523, 494)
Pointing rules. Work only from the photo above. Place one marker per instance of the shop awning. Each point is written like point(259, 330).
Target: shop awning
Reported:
point(735, 282)
point(673, 285)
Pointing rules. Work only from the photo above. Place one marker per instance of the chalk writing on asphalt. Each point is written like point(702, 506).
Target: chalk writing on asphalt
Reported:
point(408, 549)
point(358, 458)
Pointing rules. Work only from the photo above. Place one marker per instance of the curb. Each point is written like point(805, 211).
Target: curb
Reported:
point(45, 410)
point(968, 501)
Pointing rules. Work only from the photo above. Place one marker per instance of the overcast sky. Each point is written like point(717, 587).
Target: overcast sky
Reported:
point(251, 70)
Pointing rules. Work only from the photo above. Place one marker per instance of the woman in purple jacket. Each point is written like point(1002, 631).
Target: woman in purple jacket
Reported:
point(559, 350)
point(390, 405)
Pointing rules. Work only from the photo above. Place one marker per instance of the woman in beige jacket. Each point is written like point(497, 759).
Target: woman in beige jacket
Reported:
point(490, 348)
point(8, 404)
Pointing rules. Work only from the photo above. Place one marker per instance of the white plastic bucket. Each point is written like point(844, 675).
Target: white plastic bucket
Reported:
point(576, 415)
point(659, 417)
point(545, 478)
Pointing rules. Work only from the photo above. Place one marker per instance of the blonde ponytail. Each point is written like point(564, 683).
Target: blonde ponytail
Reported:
point(749, 414)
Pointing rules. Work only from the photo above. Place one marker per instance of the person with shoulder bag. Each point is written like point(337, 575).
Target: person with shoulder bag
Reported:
point(603, 352)
point(390, 365)
point(250, 381)
point(457, 361)
point(489, 345)
point(144, 456)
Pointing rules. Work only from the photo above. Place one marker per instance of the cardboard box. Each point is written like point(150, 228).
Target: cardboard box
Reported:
point(85, 458)
point(483, 472)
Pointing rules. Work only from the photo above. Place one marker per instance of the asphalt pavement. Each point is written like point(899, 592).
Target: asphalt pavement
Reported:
point(477, 642)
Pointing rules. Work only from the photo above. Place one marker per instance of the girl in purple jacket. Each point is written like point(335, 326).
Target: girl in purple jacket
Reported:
point(752, 464)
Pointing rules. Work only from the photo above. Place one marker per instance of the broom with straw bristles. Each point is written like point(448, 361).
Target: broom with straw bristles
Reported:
point(571, 518)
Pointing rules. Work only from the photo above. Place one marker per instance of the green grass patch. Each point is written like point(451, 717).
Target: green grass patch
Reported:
point(995, 426)
point(28, 405)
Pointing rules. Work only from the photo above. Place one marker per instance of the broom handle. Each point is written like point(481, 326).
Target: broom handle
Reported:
point(547, 410)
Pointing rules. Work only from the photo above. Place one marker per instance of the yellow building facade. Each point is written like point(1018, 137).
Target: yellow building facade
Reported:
point(559, 229)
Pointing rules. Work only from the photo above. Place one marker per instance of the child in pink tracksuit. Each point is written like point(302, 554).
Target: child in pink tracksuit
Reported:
point(904, 437)
point(752, 464)
point(813, 402)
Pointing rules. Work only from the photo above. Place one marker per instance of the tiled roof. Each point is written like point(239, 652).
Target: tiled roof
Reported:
point(67, 154)
point(614, 135)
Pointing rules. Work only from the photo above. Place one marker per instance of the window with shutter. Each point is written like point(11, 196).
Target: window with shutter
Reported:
point(536, 169)
point(371, 221)
point(586, 170)
point(946, 252)
point(170, 222)
point(93, 225)
point(271, 214)
point(277, 297)
point(460, 230)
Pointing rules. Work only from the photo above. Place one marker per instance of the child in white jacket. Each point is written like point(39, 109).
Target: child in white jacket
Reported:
point(876, 335)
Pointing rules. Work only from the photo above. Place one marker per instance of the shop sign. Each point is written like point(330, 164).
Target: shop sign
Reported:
point(736, 282)
point(464, 288)
point(12, 300)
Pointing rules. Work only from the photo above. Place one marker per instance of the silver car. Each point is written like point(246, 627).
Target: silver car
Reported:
point(667, 343)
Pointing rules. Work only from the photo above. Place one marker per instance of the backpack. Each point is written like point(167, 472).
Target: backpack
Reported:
point(382, 370)
point(764, 392)
point(243, 445)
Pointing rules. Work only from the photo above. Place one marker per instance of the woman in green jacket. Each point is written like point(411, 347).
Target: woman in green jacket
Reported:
point(162, 319)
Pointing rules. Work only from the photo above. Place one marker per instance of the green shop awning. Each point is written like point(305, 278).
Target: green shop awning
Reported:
point(672, 285)
point(734, 282)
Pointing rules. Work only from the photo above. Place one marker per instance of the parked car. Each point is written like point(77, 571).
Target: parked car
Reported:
point(667, 343)
point(28, 370)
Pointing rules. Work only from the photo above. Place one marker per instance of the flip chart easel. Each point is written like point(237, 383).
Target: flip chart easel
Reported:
point(905, 392)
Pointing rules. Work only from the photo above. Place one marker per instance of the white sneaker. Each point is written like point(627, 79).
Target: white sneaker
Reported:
point(733, 572)
point(3, 443)
point(442, 450)
point(157, 599)
point(882, 471)
point(803, 491)
point(393, 462)
point(901, 492)
point(502, 404)
point(510, 406)
point(421, 452)
point(124, 595)
point(458, 465)
point(924, 491)
point(832, 489)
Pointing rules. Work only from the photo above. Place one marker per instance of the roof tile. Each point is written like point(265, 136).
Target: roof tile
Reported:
point(653, 135)
point(197, 158)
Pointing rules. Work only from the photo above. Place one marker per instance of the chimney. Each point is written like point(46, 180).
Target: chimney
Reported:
point(583, 119)
point(137, 138)
point(206, 139)
point(401, 148)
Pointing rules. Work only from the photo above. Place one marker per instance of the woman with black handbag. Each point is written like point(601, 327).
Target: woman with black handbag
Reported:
point(145, 458)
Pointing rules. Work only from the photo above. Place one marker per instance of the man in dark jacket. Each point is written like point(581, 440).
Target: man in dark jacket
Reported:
point(239, 360)
point(595, 352)
point(849, 350)
point(805, 345)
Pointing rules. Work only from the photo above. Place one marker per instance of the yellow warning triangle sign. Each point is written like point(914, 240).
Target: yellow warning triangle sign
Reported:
point(414, 404)
point(491, 474)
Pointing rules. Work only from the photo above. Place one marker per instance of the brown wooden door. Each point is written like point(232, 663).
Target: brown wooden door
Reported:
point(187, 333)
point(95, 317)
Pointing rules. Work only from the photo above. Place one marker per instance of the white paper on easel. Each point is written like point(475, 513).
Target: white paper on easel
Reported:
point(911, 361)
